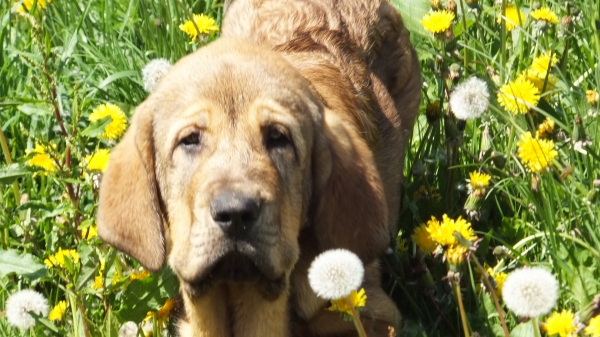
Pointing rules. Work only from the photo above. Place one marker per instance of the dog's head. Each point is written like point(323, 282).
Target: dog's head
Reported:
point(224, 164)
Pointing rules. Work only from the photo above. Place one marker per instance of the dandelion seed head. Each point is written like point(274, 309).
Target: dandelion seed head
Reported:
point(153, 72)
point(470, 99)
point(21, 303)
point(530, 292)
point(335, 273)
point(129, 329)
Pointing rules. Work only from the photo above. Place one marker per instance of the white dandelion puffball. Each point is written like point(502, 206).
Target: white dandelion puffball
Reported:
point(335, 273)
point(21, 303)
point(530, 292)
point(153, 72)
point(470, 99)
point(129, 329)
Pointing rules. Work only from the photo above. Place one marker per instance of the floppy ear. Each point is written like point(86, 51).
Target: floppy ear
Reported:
point(129, 217)
point(349, 209)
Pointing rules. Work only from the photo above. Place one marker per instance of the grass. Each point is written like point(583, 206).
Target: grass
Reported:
point(58, 63)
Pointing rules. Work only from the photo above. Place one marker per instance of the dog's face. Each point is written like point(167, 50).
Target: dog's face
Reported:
point(226, 162)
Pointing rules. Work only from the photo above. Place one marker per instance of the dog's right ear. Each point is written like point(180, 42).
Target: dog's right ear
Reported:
point(129, 216)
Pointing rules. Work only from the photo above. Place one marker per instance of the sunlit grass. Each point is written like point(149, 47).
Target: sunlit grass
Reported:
point(60, 63)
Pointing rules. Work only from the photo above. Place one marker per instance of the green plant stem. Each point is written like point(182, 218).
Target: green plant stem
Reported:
point(503, 43)
point(464, 23)
point(355, 318)
point(501, 312)
point(6, 151)
point(461, 307)
point(536, 327)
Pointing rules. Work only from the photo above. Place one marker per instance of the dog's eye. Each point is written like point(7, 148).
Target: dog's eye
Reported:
point(191, 140)
point(275, 137)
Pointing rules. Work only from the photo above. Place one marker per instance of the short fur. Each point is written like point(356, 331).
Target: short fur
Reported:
point(302, 106)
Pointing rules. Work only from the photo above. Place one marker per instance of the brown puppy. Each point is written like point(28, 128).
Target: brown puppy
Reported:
point(282, 139)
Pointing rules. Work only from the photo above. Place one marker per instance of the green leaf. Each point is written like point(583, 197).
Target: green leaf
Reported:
point(21, 264)
point(96, 128)
point(412, 12)
point(523, 330)
point(584, 285)
point(11, 172)
point(114, 77)
point(148, 294)
point(35, 109)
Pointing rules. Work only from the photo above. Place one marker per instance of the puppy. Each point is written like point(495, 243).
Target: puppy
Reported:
point(282, 139)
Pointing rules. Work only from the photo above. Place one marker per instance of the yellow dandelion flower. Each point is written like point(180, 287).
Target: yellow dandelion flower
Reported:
point(437, 21)
point(28, 4)
point(499, 278)
point(89, 232)
point(545, 128)
point(514, 18)
point(139, 275)
point(593, 327)
point(427, 193)
point(206, 26)
point(591, 96)
point(543, 63)
point(98, 161)
point(41, 157)
point(118, 124)
point(423, 240)
point(357, 299)
point(401, 245)
point(535, 154)
point(518, 96)
point(443, 232)
point(560, 323)
point(57, 313)
point(98, 282)
point(163, 313)
point(455, 254)
point(539, 80)
point(58, 259)
point(545, 14)
point(478, 180)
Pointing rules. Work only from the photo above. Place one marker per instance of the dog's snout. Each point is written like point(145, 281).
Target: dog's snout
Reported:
point(235, 214)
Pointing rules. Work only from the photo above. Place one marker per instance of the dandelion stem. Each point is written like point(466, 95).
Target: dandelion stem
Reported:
point(461, 307)
point(464, 23)
point(503, 32)
point(501, 313)
point(536, 327)
point(6, 151)
point(355, 318)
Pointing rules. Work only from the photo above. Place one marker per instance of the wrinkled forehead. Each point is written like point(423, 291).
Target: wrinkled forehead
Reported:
point(234, 75)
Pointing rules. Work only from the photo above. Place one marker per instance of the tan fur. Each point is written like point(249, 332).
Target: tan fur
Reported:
point(340, 81)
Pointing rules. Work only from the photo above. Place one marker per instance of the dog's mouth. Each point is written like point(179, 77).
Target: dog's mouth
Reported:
point(235, 267)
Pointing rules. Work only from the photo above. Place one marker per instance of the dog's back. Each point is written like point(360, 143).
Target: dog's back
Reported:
point(357, 56)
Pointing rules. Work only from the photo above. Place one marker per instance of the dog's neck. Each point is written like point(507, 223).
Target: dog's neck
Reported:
point(228, 310)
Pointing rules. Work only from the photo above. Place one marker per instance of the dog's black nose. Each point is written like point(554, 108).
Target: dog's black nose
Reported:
point(235, 213)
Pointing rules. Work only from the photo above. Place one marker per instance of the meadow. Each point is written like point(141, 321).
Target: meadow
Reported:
point(499, 226)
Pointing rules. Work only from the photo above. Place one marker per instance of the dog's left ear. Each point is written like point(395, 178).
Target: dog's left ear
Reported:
point(129, 214)
point(349, 208)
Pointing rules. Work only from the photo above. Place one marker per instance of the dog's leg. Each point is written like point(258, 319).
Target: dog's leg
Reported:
point(205, 316)
point(255, 316)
